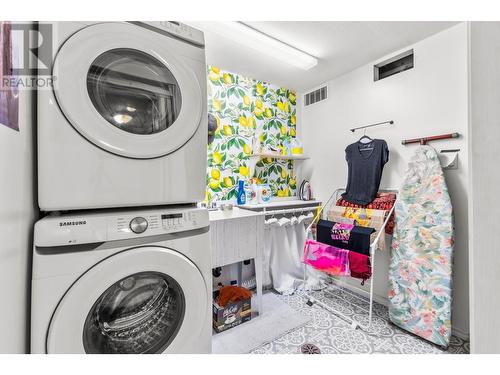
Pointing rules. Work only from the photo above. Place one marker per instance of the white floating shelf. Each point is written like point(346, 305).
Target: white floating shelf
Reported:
point(264, 155)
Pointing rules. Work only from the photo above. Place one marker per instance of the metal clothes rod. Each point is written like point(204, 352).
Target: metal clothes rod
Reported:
point(290, 210)
point(390, 122)
point(425, 140)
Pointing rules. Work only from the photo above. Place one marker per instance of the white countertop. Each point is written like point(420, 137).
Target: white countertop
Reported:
point(249, 210)
point(235, 213)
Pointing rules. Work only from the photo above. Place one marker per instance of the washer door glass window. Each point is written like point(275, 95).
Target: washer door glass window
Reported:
point(141, 313)
point(134, 91)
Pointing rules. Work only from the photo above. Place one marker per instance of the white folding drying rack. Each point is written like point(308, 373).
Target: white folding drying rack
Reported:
point(373, 248)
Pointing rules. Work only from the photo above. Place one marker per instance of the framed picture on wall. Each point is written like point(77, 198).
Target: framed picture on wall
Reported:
point(9, 96)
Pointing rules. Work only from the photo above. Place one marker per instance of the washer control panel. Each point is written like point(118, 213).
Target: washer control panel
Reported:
point(158, 222)
point(172, 221)
point(138, 224)
point(60, 230)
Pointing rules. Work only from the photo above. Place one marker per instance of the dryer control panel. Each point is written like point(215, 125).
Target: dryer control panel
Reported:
point(63, 230)
point(178, 29)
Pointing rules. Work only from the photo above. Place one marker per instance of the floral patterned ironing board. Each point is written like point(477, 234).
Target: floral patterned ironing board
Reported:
point(421, 259)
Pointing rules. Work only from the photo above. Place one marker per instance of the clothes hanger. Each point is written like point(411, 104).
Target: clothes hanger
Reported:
point(301, 217)
point(364, 140)
point(271, 220)
point(283, 221)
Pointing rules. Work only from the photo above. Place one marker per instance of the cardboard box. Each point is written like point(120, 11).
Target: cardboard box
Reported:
point(231, 315)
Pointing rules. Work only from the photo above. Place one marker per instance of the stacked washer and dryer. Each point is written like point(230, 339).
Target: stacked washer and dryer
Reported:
point(121, 261)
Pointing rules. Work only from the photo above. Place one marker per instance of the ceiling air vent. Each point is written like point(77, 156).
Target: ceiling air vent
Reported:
point(394, 65)
point(316, 96)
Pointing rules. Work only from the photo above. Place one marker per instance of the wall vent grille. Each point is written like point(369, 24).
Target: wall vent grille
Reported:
point(397, 64)
point(316, 96)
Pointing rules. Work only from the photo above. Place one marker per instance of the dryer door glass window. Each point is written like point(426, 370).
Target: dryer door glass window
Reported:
point(134, 91)
point(141, 313)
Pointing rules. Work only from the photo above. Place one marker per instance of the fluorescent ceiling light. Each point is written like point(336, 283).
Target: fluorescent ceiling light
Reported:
point(263, 43)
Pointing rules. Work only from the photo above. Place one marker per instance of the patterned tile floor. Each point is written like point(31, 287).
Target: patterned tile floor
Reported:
point(333, 335)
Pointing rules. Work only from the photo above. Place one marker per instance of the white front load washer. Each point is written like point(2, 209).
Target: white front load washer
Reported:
point(125, 123)
point(122, 282)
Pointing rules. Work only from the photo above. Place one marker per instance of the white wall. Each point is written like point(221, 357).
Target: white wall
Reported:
point(430, 99)
point(484, 182)
point(17, 213)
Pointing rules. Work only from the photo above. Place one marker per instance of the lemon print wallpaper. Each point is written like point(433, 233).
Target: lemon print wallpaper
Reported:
point(248, 112)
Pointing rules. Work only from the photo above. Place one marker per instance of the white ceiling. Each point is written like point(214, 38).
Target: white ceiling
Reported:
point(339, 46)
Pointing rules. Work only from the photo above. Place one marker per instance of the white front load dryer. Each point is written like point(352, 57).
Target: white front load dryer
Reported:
point(122, 282)
point(125, 123)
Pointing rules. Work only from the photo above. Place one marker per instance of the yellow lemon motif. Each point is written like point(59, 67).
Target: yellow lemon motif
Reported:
point(216, 105)
point(228, 182)
point(250, 121)
point(292, 182)
point(213, 76)
point(244, 171)
point(293, 120)
point(283, 130)
point(280, 106)
point(259, 89)
point(217, 157)
point(246, 149)
point(214, 184)
point(258, 103)
point(217, 119)
point(292, 132)
point(246, 100)
point(283, 174)
point(262, 137)
point(215, 173)
point(227, 78)
point(215, 69)
point(286, 107)
point(287, 192)
point(268, 112)
point(257, 112)
point(243, 121)
point(291, 97)
point(227, 130)
point(269, 160)
point(281, 193)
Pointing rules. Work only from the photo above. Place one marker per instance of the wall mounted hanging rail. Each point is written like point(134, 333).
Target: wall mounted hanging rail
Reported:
point(425, 140)
point(291, 210)
point(390, 122)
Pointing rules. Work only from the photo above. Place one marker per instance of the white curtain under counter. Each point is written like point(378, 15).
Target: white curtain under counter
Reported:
point(284, 240)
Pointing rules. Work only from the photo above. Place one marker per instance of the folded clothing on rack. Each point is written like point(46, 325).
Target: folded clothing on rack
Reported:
point(327, 258)
point(383, 201)
point(364, 217)
point(344, 235)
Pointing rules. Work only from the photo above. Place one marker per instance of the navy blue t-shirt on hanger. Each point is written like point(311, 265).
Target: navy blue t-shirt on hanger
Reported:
point(365, 163)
